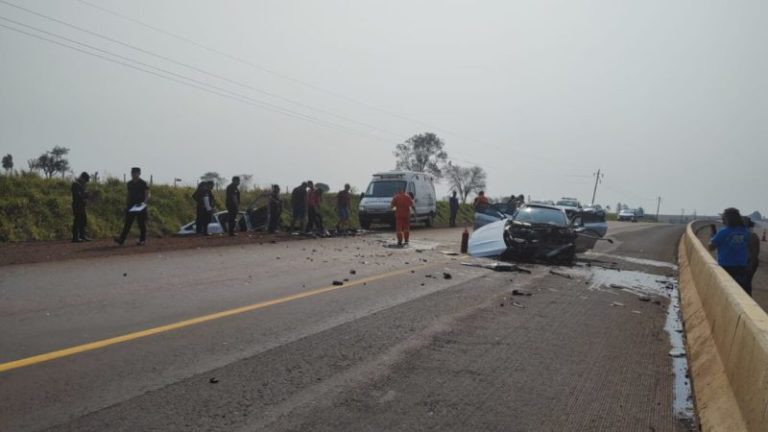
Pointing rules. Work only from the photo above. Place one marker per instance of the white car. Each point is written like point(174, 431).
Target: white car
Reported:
point(627, 215)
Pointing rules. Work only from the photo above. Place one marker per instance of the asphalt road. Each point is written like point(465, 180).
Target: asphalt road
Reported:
point(257, 337)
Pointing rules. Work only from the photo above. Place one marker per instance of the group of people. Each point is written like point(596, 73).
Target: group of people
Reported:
point(737, 246)
point(306, 200)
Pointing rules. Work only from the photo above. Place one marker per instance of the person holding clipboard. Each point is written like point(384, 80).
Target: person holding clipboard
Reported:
point(136, 207)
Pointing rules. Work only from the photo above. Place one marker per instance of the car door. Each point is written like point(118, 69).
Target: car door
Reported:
point(488, 214)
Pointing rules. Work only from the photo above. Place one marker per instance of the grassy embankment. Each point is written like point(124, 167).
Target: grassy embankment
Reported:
point(34, 208)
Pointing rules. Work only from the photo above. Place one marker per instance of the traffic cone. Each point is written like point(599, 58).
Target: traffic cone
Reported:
point(465, 241)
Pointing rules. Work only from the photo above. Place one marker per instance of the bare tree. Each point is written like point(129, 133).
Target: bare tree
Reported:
point(465, 180)
point(8, 163)
point(422, 153)
point(51, 162)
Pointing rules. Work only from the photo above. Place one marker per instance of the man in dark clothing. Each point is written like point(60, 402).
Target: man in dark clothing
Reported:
point(275, 209)
point(79, 198)
point(199, 207)
point(343, 201)
point(208, 203)
point(315, 219)
point(299, 205)
point(454, 205)
point(136, 207)
point(233, 204)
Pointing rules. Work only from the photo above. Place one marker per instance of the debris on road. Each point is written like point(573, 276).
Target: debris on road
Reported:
point(517, 292)
point(644, 298)
point(518, 305)
point(450, 253)
point(213, 381)
point(447, 276)
point(338, 283)
point(561, 274)
point(499, 266)
point(677, 353)
point(619, 304)
point(353, 272)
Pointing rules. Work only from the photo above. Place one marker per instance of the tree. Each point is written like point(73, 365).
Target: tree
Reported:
point(213, 176)
point(465, 180)
point(51, 162)
point(8, 163)
point(422, 153)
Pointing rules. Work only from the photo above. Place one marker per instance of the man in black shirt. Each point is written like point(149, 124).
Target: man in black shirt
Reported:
point(138, 195)
point(79, 198)
point(233, 204)
point(275, 209)
point(299, 205)
point(199, 207)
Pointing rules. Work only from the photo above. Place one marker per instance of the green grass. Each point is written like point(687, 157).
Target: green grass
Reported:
point(34, 208)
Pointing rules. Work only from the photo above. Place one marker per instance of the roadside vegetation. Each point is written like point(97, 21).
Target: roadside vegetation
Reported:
point(37, 208)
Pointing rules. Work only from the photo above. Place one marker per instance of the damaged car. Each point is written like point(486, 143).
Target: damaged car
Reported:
point(255, 218)
point(534, 233)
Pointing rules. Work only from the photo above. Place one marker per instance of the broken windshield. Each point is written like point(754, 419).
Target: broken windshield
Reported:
point(384, 188)
point(539, 215)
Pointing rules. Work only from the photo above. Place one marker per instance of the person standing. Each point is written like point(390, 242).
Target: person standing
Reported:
point(233, 204)
point(136, 207)
point(402, 203)
point(731, 243)
point(79, 199)
point(299, 205)
point(453, 203)
point(481, 202)
point(343, 199)
point(753, 248)
point(209, 204)
point(313, 208)
point(199, 207)
point(275, 209)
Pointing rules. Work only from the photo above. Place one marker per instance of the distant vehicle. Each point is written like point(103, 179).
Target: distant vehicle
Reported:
point(627, 215)
point(253, 219)
point(568, 203)
point(535, 232)
point(376, 202)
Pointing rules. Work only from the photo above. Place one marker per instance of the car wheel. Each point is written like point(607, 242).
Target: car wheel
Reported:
point(430, 221)
point(365, 224)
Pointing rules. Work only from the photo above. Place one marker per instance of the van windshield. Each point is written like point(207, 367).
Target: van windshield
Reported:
point(384, 188)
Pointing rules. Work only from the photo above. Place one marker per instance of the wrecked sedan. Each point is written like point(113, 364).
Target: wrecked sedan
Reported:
point(532, 233)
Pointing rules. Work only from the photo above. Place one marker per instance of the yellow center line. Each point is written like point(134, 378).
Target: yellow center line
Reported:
point(41, 358)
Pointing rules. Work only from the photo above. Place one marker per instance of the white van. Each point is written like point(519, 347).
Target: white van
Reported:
point(376, 202)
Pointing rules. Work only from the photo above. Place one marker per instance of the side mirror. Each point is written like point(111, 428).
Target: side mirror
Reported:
point(362, 195)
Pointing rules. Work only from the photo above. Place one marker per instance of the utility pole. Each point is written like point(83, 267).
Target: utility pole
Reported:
point(598, 179)
point(658, 206)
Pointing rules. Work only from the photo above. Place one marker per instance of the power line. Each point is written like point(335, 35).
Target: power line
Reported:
point(183, 79)
point(197, 69)
point(289, 78)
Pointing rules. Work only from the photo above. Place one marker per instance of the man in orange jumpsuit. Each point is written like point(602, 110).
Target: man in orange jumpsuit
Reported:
point(402, 203)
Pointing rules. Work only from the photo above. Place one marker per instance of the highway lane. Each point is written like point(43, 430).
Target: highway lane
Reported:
point(282, 361)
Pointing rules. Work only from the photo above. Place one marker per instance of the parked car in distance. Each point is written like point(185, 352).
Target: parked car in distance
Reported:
point(376, 202)
point(569, 203)
point(627, 215)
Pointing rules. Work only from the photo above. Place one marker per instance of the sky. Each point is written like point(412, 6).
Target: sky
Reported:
point(667, 99)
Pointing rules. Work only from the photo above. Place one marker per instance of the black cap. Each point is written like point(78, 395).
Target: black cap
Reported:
point(85, 176)
point(135, 170)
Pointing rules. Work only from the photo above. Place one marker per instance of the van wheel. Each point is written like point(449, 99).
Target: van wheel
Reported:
point(365, 224)
point(430, 221)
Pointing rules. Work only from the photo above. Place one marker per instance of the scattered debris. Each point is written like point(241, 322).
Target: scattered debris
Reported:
point(518, 305)
point(644, 298)
point(677, 353)
point(561, 274)
point(499, 266)
point(125, 274)
point(618, 286)
point(517, 292)
point(637, 312)
point(619, 304)
point(353, 272)
point(346, 280)
point(213, 381)
point(450, 253)
point(338, 283)
point(447, 276)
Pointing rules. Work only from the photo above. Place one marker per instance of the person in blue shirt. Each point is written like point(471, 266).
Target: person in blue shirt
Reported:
point(731, 243)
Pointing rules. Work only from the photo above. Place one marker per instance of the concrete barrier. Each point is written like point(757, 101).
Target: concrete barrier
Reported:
point(727, 342)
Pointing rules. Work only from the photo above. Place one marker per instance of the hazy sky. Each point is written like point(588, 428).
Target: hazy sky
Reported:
point(668, 98)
